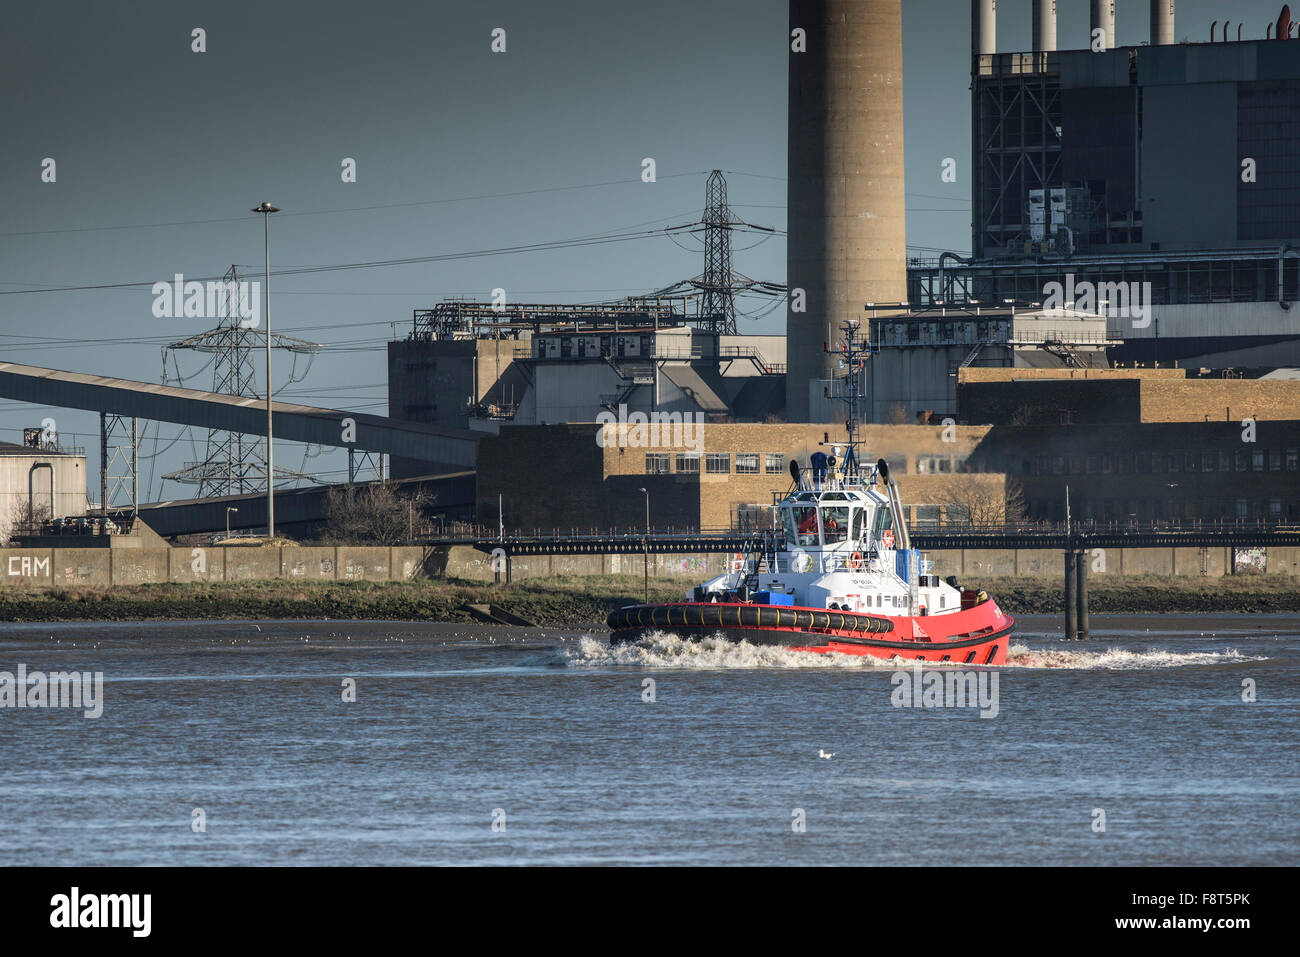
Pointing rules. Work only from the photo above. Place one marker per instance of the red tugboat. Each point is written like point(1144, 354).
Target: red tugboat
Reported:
point(838, 575)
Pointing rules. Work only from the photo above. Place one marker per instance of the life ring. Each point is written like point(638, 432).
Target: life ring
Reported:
point(855, 561)
point(738, 563)
point(887, 538)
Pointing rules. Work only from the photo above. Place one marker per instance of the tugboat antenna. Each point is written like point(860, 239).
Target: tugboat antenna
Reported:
point(853, 352)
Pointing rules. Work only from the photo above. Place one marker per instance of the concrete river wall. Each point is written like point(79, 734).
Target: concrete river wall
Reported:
point(135, 566)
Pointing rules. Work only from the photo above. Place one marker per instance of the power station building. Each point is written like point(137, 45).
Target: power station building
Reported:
point(471, 366)
point(1172, 169)
point(39, 480)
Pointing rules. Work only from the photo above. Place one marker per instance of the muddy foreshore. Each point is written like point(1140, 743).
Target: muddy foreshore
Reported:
point(565, 602)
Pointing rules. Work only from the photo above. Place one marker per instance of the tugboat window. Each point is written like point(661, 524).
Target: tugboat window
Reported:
point(835, 524)
point(805, 521)
point(859, 516)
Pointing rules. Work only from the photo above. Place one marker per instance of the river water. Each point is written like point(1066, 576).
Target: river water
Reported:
point(231, 743)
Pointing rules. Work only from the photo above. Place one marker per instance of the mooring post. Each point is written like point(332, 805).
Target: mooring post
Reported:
point(1071, 599)
point(1082, 596)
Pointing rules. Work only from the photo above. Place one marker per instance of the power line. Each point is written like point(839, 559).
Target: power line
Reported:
point(572, 243)
point(345, 209)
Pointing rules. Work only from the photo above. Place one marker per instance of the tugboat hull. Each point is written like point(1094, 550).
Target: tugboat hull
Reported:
point(978, 635)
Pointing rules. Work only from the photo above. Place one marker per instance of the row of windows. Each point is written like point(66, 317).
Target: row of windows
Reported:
point(774, 463)
point(715, 463)
point(1173, 510)
point(939, 464)
point(1157, 463)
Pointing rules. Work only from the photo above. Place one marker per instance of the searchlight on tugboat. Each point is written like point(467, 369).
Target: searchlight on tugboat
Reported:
point(837, 573)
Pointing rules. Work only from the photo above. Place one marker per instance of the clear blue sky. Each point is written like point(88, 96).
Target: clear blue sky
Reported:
point(146, 132)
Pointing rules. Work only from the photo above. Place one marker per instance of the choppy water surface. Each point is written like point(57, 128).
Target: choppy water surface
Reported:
point(1145, 723)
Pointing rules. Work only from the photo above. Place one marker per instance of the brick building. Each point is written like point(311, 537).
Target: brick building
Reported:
point(1113, 396)
point(1145, 445)
point(722, 476)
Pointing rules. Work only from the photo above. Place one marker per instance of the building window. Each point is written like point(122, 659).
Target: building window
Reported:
point(688, 462)
point(1174, 461)
point(1257, 460)
point(1108, 462)
point(1243, 462)
point(927, 516)
point(656, 463)
point(746, 463)
point(1208, 461)
point(717, 463)
point(1292, 459)
point(933, 464)
point(1275, 460)
point(1092, 463)
point(1225, 461)
point(958, 514)
point(1141, 464)
point(1274, 508)
point(774, 463)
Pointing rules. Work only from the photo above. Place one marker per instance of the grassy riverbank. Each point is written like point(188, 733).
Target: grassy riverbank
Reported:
point(557, 602)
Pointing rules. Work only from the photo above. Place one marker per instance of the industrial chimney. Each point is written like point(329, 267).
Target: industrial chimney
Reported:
point(1162, 23)
point(1044, 26)
point(847, 221)
point(1103, 18)
point(984, 27)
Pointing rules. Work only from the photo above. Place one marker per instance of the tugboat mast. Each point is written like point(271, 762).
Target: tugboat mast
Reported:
point(852, 351)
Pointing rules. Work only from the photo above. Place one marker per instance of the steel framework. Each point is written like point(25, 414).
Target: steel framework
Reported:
point(119, 463)
point(234, 463)
point(1016, 126)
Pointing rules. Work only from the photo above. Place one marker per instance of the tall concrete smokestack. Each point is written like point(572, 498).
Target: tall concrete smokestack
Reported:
point(847, 222)
point(984, 27)
point(1103, 18)
point(1044, 26)
point(1162, 23)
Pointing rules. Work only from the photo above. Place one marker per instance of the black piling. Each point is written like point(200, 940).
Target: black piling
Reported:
point(1081, 595)
point(1071, 599)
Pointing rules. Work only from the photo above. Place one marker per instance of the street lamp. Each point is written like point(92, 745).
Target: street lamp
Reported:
point(266, 209)
point(645, 563)
point(228, 511)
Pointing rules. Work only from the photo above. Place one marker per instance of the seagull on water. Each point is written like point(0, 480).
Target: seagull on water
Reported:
point(822, 753)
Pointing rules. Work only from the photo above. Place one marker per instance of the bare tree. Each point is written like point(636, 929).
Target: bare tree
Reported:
point(983, 502)
point(376, 514)
point(25, 518)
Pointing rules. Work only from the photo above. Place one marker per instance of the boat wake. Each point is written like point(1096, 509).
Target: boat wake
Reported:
point(1120, 659)
point(665, 650)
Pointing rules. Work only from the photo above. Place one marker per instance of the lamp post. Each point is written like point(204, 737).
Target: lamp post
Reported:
point(645, 543)
point(266, 209)
point(228, 511)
